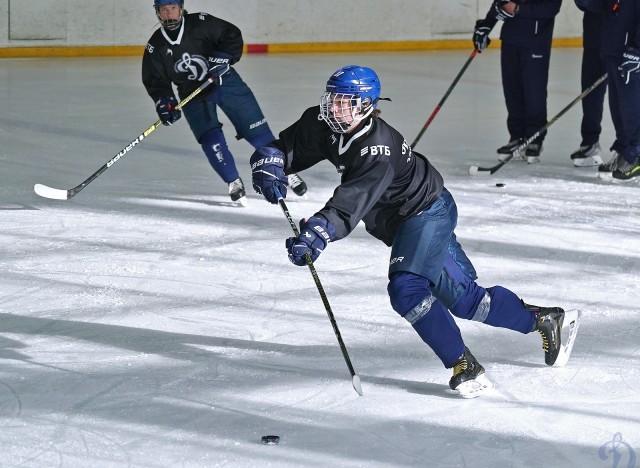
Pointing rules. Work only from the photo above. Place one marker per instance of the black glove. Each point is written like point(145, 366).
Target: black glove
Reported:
point(166, 107)
point(630, 66)
point(219, 66)
point(267, 172)
point(481, 35)
point(498, 13)
point(315, 234)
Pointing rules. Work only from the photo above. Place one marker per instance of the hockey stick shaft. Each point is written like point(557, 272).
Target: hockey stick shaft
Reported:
point(523, 146)
point(354, 377)
point(48, 192)
point(444, 98)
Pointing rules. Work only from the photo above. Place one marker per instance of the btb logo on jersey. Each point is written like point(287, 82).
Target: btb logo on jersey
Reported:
point(376, 150)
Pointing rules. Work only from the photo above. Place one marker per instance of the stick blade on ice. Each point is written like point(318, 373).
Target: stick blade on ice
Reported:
point(49, 192)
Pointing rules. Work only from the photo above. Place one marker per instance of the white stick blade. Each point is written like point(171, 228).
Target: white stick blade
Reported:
point(49, 192)
point(356, 384)
point(474, 171)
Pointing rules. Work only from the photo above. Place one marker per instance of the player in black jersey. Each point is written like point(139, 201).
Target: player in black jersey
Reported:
point(186, 51)
point(401, 198)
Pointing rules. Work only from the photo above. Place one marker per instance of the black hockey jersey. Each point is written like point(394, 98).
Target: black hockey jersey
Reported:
point(181, 56)
point(383, 181)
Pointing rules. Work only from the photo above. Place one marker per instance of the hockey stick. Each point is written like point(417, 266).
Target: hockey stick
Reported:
point(61, 194)
point(444, 98)
point(355, 380)
point(475, 170)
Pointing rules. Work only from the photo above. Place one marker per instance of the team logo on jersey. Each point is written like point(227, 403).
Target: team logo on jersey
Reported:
point(170, 52)
point(333, 139)
point(396, 260)
point(195, 65)
point(376, 150)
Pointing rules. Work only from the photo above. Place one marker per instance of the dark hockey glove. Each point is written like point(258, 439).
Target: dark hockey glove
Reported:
point(315, 233)
point(267, 172)
point(481, 35)
point(167, 110)
point(630, 66)
point(219, 66)
point(498, 13)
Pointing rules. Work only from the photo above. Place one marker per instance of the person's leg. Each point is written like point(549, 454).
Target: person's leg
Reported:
point(535, 81)
point(203, 120)
point(239, 104)
point(593, 67)
point(512, 87)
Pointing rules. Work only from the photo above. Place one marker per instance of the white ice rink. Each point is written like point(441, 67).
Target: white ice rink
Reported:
point(147, 322)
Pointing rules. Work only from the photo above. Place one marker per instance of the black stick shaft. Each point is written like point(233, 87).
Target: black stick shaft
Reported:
point(444, 98)
point(72, 192)
point(323, 295)
point(529, 140)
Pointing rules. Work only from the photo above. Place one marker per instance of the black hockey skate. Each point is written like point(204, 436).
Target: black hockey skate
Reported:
point(296, 183)
point(468, 376)
point(237, 192)
point(552, 323)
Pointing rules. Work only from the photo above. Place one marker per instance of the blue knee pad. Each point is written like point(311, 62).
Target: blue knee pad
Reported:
point(215, 148)
point(411, 297)
point(495, 306)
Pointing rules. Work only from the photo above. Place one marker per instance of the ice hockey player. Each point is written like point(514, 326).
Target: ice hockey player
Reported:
point(185, 51)
point(401, 198)
point(621, 51)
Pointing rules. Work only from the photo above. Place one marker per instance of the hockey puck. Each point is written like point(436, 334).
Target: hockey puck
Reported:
point(270, 440)
point(499, 185)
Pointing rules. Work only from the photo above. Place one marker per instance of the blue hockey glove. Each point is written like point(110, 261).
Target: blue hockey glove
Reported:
point(267, 172)
point(219, 66)
point(166, 109)
point(315, 234)
point(630, 66)
point(498, 13)
point(481, 35)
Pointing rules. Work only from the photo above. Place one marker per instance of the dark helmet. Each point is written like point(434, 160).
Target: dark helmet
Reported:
point(169, 24)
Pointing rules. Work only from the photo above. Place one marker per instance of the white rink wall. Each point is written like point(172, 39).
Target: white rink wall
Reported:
point(45, 23)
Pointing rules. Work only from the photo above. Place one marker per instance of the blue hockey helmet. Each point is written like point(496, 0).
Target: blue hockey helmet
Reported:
point(352, 93)
point(169, 24)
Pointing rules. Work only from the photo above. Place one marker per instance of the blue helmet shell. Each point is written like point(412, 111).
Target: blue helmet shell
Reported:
point(157, 3)
point(354, 79)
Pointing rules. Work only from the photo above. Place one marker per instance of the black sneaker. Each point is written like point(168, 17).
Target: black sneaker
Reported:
point(627, 170)
point(549, 322)
point(296, 183)
point(612, 164)
point(588, 155)
point(468, 376)
point(237, 193)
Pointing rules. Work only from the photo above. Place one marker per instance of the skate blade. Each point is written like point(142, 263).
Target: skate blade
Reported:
point(474, 388)
point(242, 201)
point(568, 336)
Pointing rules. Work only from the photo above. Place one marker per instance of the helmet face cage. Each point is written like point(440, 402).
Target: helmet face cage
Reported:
point(340, 110)
point(170, 24)
point(351, 95)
